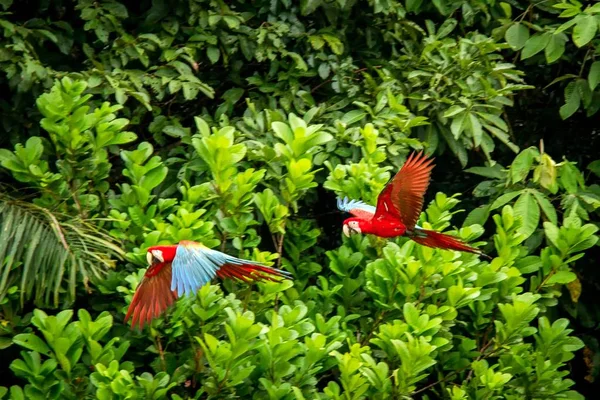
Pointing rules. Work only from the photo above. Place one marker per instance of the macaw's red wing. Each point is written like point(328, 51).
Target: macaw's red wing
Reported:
point(194, 265)
point(153, 295)
point(402, 197)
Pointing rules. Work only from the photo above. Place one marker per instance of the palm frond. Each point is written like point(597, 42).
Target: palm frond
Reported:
point(47, 254)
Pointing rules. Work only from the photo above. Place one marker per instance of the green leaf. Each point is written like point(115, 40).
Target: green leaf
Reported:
point(309, 6)
point(32, 342)
point(535, 44)
point(505, 198)
point(458, 125)
point(547, 207)
point(584, 30)
point(213, 54)
point(572, 101)
point(595, 167)
point(528, 209)
point(334, 43)
point(353, 116)
point(522, 164)
point(446, 28)
point(452, 111)
point(562, 277)
point(516, 36)
point(555, 48)
point(594, 75)
point(413, 5)
point(570, 177)
point(477, 216)
point(476, 130)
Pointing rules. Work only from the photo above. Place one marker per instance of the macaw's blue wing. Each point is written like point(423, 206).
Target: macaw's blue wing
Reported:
point(356, 207)
point(195, 265)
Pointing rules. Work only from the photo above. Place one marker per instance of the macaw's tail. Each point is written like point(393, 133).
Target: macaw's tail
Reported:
point(250, 272)
point(442, 241)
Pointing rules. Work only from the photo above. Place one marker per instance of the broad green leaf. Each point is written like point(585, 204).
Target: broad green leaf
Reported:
point(528, 209)
point(555, 48)
point(32, 342)
point(572, 101)
point(595, 167)
point(546, 205)
point(452, 111)
point(516, 36)
point(213, 54)
point(522, 164)
point(353, 116)
point(552, 233)
point(535, 44)
point(494, 119)
point(309, 6)
point(505, 198)
point(570, 177)
point(458, 125)
point(413, 5)
point(562, 277)
point(446, 28)
point(477, 216)
point(584, 30)
point(594, 75)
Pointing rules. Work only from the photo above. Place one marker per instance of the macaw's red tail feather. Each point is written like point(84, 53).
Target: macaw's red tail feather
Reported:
point(252, 272)
point(442, 241)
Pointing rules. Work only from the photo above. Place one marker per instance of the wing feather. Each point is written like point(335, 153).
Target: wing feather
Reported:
point(195, 265)
point(403, 196)
point(152, 296)
point(356, 207)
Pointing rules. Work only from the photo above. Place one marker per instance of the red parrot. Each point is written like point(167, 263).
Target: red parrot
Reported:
point(176, 270)
point(398, 208)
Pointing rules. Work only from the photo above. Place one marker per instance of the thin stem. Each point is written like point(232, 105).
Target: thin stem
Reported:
point(161, 353)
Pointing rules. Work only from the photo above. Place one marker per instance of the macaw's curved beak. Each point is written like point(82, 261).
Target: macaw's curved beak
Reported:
point(346, 230)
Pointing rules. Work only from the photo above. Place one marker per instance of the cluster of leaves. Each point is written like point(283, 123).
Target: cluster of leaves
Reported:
point(249, 118)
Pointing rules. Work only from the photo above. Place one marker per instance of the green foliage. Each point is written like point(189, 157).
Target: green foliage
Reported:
point(236, 124)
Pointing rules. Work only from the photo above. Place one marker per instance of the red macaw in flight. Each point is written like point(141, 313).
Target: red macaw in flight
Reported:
point(398, 208)
point(176, 270)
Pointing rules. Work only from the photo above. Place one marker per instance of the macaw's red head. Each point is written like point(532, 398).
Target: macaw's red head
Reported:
point(352, 226)
point(161, 254)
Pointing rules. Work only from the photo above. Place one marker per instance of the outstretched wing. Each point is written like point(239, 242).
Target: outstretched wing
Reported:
point(356, 207)
point(152, 296)
point(195, 265)
point(402, 197)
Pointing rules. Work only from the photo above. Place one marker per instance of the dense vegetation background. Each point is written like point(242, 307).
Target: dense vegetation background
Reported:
point(237, 123)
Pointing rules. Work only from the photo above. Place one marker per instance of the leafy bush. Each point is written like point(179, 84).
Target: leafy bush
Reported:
point(236, 124)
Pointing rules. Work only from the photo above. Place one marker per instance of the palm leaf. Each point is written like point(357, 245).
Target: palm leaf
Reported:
point(46, 254)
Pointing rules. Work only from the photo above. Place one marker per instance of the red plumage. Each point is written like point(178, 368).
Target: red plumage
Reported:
point(197, 265)
point(399, 206)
